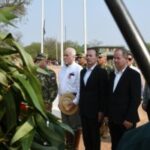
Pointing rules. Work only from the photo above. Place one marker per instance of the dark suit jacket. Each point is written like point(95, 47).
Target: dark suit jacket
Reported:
point(124, 101)
point(92, 95)
point(136, 139)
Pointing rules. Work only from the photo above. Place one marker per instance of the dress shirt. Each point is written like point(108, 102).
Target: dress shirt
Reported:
point(118, 75)
point(69, 80)
point(88, 73)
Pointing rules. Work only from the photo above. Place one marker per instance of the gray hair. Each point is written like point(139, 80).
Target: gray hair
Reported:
point(71, 51)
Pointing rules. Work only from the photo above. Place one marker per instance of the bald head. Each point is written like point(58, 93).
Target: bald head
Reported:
point(71, 51)
point(69, 55)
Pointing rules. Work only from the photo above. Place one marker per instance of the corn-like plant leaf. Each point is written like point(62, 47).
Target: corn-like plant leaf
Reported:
point(26, 58)
point(60, 124)
point(6, 51)
point(49, 132)
point(23, 130)
point(6, 15)
point(3, 78)
point(31, 93)
point(2, 110)
point(27, 140)
point(10, 114)
point(37, 146)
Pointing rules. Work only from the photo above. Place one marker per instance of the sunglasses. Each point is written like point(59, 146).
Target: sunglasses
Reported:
point(129, 59)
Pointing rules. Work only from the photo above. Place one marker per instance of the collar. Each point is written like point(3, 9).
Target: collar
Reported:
point(120, 71)
point(91, 68)
point(66, 65)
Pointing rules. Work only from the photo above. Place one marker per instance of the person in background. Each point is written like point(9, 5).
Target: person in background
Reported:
point(69, 79)
point(92, 94)
point(82, 60)
point(48, 81)
point(132, 64)
point(146, 100)
point(124, 97)
point(102, 61)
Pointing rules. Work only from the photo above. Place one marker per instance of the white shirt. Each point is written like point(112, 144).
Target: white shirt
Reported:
point(69, 80)
point(142, 78)
point(118, 75)
point(88, 73)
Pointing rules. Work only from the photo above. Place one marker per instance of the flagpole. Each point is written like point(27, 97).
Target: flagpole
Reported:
point(62, 32)
point(42, 28)
point(85, 27)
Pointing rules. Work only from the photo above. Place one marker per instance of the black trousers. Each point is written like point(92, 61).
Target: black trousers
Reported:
point(116, 132)
point(91, 133)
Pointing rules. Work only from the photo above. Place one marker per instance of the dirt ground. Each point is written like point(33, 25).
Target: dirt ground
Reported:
point(106, 144)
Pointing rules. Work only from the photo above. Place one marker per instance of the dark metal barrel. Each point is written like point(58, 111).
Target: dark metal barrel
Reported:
point(132, 36)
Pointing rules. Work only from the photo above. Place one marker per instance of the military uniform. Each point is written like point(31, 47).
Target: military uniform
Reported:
point(49, 87)
point(104, 129)
point(107, 67)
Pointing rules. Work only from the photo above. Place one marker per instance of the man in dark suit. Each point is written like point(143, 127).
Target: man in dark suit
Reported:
point(93, 81)
point(124, 97)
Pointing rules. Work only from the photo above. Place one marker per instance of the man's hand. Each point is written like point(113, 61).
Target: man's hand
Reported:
point(127, 124)
point(100, 116)
point(71, 106)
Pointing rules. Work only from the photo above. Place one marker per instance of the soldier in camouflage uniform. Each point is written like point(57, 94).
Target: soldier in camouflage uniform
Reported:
point(102, 61)
point(48, 82)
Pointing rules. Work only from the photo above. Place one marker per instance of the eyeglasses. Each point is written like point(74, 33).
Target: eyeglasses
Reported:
point(80, 57)
point(129, 59)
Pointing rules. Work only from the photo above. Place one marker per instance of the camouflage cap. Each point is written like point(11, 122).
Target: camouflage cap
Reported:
point(40, 56)
point(103, 54)
point(80, 55)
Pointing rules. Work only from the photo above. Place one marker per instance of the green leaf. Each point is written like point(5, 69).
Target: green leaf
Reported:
point(37, 146)
point(26, 58)
point(6, 15)
point(10, 114)
point(6, 51)
point(66, 127)
point(3, 78)
point(27, 140)
point(31, 93)
point(23, 130)
point(49, 132)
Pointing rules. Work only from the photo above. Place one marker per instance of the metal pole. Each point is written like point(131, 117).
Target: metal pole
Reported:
point(42, 28)
point(131, 34)
point(62, 32)
point(56, 50)
point(85, 27)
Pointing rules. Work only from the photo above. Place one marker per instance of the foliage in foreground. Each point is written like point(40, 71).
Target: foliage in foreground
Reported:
point(24, 122)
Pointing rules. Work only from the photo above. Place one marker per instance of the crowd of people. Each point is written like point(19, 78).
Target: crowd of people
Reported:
point(92, 92)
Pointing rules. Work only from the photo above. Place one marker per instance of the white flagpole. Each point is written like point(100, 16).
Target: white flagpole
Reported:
point(42, 28)
point(56, 46)
point(62, 32)
point(85, 28)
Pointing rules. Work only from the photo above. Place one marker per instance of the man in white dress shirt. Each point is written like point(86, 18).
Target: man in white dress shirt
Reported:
point(69, 79)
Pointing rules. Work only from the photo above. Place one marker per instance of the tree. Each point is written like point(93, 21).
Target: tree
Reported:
point(75, 45)
point(148, 45)
point(94, 43)
point(19, 4)
point(33, 49)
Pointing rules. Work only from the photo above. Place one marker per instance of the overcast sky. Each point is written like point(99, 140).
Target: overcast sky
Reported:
point(100, 24)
